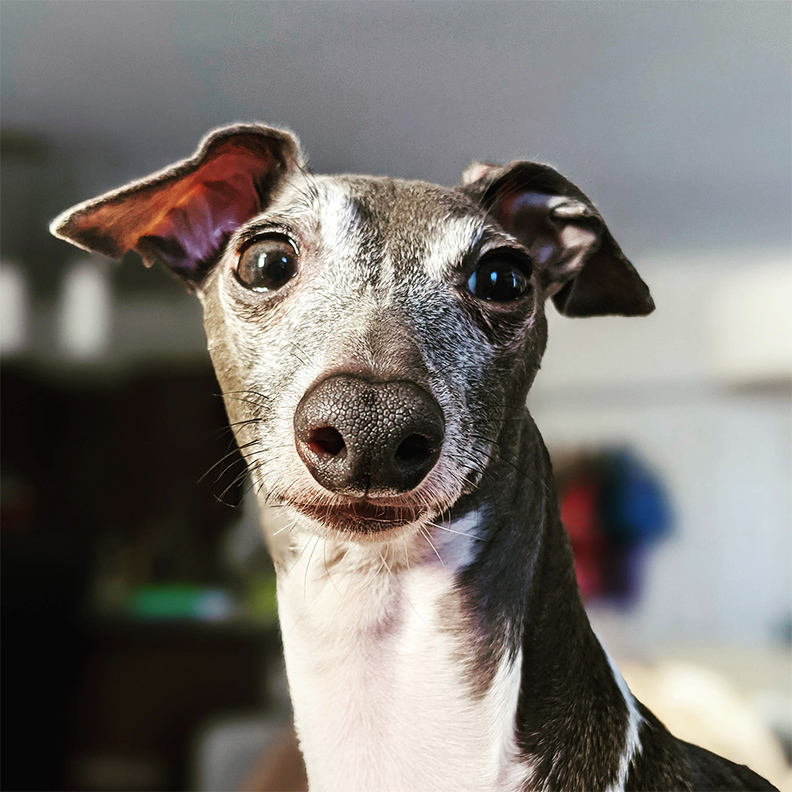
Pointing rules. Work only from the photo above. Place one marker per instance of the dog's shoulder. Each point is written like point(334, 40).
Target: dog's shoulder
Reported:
point(666, 762)
point(709, 771)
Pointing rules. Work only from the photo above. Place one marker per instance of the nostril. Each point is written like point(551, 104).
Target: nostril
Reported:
point(414, 449)
point(326, 441)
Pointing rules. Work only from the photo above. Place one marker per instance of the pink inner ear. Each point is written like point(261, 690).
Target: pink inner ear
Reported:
point(201, 223)
point(557, 231)
point(526, 215)
point(202, 210)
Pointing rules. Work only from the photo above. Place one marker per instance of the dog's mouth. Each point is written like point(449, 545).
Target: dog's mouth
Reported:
point(362, 517)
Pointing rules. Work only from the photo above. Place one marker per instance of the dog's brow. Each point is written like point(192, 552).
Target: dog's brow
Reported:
point(338, 215)
point(450, 242)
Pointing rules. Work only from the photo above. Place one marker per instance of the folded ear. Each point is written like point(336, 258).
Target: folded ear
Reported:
point(583, 268)
point(182, 216)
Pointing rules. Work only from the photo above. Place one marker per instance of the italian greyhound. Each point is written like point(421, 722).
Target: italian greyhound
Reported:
point(375, 340)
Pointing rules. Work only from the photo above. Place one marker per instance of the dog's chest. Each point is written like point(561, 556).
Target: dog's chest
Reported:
point(378, 676)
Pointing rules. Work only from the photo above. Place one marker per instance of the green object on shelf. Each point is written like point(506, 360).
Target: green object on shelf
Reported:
point(180, 601)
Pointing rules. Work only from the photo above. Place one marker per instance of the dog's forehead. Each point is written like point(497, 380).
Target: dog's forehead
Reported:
point(397, 202)
point(408, 221)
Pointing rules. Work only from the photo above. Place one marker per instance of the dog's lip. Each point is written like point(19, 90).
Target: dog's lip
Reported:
point(368, 515)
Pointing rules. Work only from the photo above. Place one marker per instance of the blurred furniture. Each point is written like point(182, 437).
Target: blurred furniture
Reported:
point(251, 753)
point(145, 688)
point(100, 495)
point(229, 747)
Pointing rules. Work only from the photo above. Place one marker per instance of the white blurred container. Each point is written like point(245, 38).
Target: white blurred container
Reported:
point(85, 310)
point(751, 326)
point(14, 309)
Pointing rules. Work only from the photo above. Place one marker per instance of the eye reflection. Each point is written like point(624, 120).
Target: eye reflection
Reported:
point(500, 278)
point(267, 264)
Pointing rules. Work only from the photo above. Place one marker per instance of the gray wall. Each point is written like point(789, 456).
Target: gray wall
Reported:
point(675, 117)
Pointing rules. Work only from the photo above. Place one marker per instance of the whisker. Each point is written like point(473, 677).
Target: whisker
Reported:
point(426, 536)
point(247, 421)
point(236, 481)
point(459, 533)
point(506, 450)
point(289, 526)
point(296, 560)
point(247, 401)
point(327, 571)
point(382, 558)
point(233, 451)
point(304, 354)
point(307, 567)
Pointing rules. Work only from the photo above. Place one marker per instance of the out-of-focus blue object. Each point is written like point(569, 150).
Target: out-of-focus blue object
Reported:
point(634, 505)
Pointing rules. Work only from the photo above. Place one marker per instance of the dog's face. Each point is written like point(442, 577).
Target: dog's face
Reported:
point(355, 280)
point(374, 338)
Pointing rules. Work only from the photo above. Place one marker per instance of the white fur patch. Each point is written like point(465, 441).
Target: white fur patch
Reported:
point(512, 772)
point(377, 673)
point(448, 244)
point(632, 743)
point(337, 217)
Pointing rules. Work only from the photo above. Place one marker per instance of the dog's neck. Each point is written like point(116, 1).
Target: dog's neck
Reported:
point(460, 658)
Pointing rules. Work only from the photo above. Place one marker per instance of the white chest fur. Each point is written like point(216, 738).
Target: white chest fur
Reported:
point(377, 673)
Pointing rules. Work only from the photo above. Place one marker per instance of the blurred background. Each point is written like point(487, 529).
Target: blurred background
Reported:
point(139, 640)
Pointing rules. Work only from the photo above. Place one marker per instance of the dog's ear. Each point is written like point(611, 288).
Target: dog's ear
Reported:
point(582, 266)
point(182, 216)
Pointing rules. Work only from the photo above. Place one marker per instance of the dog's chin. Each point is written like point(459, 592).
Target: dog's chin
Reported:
point(365, 521)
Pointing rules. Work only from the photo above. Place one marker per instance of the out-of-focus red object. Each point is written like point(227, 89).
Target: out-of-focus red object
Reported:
point(579, 515)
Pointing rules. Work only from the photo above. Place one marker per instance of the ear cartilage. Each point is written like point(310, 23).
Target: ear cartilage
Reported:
point(572, 209)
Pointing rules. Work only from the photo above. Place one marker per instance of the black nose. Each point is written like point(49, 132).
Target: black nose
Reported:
point(362, 438)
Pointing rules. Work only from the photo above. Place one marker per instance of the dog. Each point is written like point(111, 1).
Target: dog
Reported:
point(375, 340)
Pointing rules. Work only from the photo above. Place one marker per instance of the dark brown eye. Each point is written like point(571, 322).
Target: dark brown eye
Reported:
point(267, 264)
point(500, 277)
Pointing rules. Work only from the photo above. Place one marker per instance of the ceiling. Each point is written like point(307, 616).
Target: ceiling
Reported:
point(675, 117)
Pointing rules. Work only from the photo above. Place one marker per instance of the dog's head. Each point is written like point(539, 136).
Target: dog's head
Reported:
point(374, 338)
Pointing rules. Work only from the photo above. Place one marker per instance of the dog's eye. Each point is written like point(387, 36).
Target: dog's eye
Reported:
point(267, 264)
point(500, 277)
